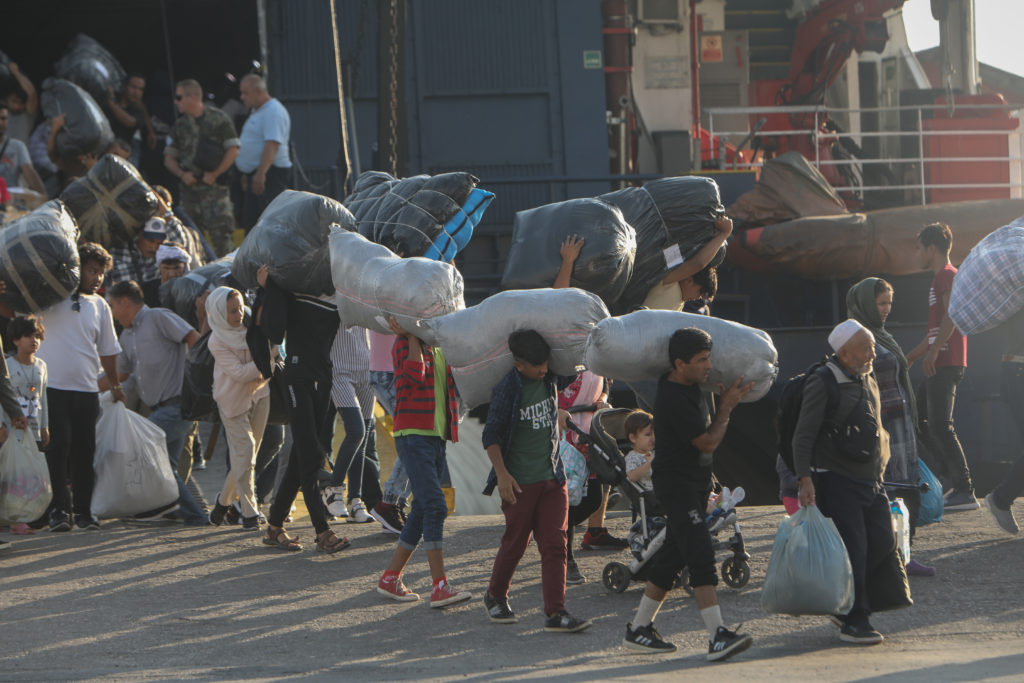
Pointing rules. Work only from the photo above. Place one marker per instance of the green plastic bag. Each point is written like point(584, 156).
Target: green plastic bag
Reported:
point(809, 571)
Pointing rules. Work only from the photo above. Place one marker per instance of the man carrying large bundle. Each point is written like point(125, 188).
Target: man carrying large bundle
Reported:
point(204, 145)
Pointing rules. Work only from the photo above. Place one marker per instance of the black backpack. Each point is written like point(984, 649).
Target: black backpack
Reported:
point(792, 399)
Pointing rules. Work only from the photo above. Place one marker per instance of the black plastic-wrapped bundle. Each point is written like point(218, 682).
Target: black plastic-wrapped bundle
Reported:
point(111, 201)
point(673, 218)
point(89, 64)
point(291, 238)
point(605, 262)
point(86, 129)
point(197, 383)
point(407, 215)
point(39, 258)
point(180, 294)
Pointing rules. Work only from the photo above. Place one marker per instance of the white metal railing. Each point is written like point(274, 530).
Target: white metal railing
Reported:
point(1014, 157)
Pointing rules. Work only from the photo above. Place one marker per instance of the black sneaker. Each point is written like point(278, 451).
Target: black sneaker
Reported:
point(566, 623)
point(251, 522)
point(860, 634)
point(387, 515)
point(90, 522)
point(727, 643)
point(156, 514)
point(59, 521)
point(499, 611)
point(573, 575)
point(646, 639)
point(218, 513)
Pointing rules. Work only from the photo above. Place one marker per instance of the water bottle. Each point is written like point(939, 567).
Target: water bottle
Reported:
point(901, 527)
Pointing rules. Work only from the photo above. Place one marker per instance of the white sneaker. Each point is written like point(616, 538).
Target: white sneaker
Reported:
point(357, 513)
point(334, 501)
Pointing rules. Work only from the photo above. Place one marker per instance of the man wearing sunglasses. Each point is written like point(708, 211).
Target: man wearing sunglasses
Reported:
point(203, 146)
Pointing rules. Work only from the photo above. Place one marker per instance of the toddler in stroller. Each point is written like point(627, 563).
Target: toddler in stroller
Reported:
point(607, 439)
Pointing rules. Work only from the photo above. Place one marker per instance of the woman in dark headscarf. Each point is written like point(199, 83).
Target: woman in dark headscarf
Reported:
point(869, 302)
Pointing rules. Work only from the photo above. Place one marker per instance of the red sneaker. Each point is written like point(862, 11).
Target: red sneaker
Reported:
point(392, 587)
point(445, 594)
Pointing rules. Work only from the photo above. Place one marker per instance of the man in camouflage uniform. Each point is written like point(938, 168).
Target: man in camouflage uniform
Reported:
point(202, 149)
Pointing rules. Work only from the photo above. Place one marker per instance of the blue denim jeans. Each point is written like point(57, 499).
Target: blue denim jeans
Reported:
point(168, 418)
point(424, 460)
point(396, 488)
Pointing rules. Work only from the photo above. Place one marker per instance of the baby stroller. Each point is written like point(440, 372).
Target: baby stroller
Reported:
point(606, 440)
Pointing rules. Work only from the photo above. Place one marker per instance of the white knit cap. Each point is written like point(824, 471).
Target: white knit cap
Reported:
point(844, 332)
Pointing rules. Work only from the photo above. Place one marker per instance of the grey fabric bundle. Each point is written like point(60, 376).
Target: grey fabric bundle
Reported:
point(989, 286)
point(634, 348)
point(291, 238)
point(475, 341)
point(372, 283)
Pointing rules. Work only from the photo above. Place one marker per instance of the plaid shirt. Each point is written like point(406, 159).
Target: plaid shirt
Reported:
point(503, 417)
point(129, 264)
point(989, 286)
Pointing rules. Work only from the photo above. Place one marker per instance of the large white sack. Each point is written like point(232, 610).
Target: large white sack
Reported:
point(475, 341)
point(634, 348)
point(988, 288)
point(372, 283)
point(133, 473)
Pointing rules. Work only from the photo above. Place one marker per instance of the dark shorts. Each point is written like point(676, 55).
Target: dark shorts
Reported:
point(687, 542)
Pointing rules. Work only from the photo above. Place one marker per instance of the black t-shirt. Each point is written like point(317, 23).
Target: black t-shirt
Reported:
point(681, 414)
point(121, 131)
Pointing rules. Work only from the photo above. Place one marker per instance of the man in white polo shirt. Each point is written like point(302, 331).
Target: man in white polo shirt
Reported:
point(80, 341)
point(263, 156)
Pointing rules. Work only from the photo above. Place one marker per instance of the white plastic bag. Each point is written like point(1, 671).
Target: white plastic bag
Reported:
point(133, 473)
point(371, 283)
point(475, 341)
point(634, 348)
point(576, 471)
point(809, 571)
point(901, 528)
point(25, 489)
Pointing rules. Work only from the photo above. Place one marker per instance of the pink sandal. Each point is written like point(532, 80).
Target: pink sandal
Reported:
point(22, 529)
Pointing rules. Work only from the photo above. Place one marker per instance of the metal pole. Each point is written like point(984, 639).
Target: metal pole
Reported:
point(343, 153)
point(920, 153)
point(167, 52)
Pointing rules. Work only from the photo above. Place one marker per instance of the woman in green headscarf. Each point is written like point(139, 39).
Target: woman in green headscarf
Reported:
point(869, 302)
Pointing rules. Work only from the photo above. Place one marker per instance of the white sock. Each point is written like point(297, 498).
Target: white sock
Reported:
point(712, 617)
point(646, 612)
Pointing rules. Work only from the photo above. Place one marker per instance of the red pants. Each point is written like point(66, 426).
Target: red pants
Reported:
point(543, 510)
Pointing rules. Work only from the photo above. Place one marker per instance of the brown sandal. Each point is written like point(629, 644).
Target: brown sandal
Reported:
point(278, 538)
point(328, 542)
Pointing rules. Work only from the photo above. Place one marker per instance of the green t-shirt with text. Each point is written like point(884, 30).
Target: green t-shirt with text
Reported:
point(530, 458)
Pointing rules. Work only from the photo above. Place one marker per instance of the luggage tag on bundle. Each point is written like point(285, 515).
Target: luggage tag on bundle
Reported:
point(673, 257)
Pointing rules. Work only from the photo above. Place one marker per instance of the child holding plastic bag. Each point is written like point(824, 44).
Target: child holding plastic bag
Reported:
point(28, 376)
point(242, 394)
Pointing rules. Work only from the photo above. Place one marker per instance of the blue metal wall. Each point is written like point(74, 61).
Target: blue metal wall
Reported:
point(494, 87)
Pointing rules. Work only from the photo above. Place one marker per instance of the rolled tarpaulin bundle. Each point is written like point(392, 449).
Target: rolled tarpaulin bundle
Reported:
point(39, 258)
point(86, 129)
point(475, 340)
point(634, 348)
point(432, 216)
point(291, 239)
point(988, 288)
point(605, 263)
point(372, 283)
point(111, 202)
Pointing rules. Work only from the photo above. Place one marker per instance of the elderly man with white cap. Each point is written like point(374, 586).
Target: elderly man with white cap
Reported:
point(839, 454)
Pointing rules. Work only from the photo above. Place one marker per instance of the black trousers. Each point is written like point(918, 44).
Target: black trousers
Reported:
point(935, 399)
point(309, 403)
point(580, 513)
point(72, 448)
point(861, 513)
point(254, 204)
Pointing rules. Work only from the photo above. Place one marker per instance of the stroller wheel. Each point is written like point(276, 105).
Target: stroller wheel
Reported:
point(616, 577)
point(735, 572)
point(683, 581)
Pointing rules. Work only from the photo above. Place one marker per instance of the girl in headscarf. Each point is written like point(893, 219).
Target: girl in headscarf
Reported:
point(242, 394)
point(869, 303)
